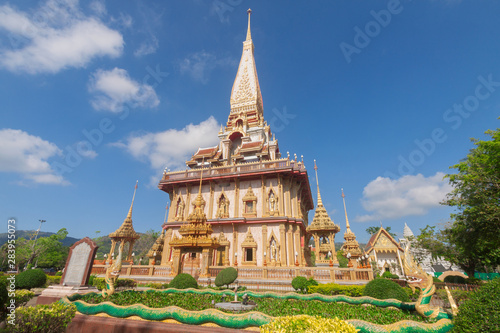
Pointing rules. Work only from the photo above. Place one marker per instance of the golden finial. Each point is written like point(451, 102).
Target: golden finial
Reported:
point(129, 215)
point(249, 36)
point(320, 202)
point(348, 228)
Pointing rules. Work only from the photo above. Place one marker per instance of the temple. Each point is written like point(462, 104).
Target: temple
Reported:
point(239, 203)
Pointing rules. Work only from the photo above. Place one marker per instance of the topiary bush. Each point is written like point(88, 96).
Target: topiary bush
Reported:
point(307, 324)
point(52, 318)
point(53, 280)
point(299, 283)
point(385, 289)
point(31, 278)
point(226, 277)
point(183, 281)
point(481, 311)
point(336, 289)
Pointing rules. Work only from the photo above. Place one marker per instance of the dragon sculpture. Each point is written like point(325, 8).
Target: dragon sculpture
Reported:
point(418, 278)
point(112, 273)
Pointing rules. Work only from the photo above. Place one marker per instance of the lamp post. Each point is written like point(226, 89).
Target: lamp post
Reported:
point(265, 263)
point(330, 257)
point(296, 258)
point(349, 264)
point(133, 257)
point(236, 259)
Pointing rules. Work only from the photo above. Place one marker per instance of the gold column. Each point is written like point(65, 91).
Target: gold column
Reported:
point(296, 200)
point(280, 190)
point(288, 199)
point(263, 180)
point(188, 201)
point(297, 244)
point(264, 243)
point(211, 201)
point(173, 205)
point(166, 247)
point(236, 197)
point(235, 245)
point(289, 246)
point(282, 244)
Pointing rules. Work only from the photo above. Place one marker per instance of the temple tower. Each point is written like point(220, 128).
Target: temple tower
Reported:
point(255, 201)
point(350, 245)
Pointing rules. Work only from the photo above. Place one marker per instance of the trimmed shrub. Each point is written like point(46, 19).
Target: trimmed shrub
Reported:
point(307, 324)
point(59, 273)
point(337, 289)
point(481, 311)
point(226, 277)
point(126, 283)
point(458, 295)
point(53, 279)
point(31, 278)
point(23, 296)
point(299, 283)
point(91, 279)
point(183, 281)
point(385, 289)
point(100, 283)
point(389, 275)
point(52, 318)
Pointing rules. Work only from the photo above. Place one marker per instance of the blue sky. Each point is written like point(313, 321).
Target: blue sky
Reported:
point(385, 95)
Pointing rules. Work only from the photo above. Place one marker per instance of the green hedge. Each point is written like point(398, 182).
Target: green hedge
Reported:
point(337, 289)
point(183, 281)
point(481, 311)
point(100, 283)
point(389, 275)
point(53, 279)
point(385, 289)
point(23, 296)
point(52, 318)
point(302, 284)
point(306, 324)
point(31, 278)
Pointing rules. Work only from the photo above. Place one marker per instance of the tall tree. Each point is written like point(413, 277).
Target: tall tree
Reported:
point(472, 239)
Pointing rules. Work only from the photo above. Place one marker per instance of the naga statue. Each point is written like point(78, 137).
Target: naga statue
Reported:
point(112, 273)
point(418, 278)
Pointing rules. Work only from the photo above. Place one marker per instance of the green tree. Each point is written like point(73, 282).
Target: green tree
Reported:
point(343, 261)
point(472, 238)
point(374, 230)
point(45, 251)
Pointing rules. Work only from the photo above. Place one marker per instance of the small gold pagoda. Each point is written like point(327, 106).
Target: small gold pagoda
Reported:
point(350, 245)
point(196, 238)
point(323, 230)
point(125, 233)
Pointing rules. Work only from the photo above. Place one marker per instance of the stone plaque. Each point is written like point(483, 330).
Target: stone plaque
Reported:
point(79, 263)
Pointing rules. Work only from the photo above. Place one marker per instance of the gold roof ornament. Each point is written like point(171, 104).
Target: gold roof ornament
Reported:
point(321, 220)
point(126, 230)
point(351, 244)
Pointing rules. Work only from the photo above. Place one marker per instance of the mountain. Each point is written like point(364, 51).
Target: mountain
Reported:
point(27, 234)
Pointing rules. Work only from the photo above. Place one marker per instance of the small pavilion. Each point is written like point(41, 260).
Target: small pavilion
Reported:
point(323, 230)
point(125, 233)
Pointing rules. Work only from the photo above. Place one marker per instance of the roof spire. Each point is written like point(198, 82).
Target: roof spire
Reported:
point(320, 202)
point(348, 227)
point(249, 35)
point(129, 215)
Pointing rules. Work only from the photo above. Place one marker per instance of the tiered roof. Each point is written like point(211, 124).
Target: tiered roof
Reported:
point(126, 230)
point(350, 244)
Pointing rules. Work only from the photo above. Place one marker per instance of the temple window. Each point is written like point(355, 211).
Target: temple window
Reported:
point(249, 247)
point(250, 203)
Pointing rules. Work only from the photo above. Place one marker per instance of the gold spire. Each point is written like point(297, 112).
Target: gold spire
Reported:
point(129, 215)
point(166, 211)
point(345, 210)
point(249, 36)
point(246, 96)
point(320, 202)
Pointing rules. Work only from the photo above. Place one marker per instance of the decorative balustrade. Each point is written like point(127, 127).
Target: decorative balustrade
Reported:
point(237, 168)
point(266, 276)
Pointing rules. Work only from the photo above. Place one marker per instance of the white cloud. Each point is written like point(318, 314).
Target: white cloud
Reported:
point(55, 37)
point(147, 47)
point(113, 89)
point(98, 7)
point(171, 148)
point(386, 198)
point(199, 65)
point(28, 155)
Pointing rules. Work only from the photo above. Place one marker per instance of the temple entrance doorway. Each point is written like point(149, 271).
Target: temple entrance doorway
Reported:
point(191, 262)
